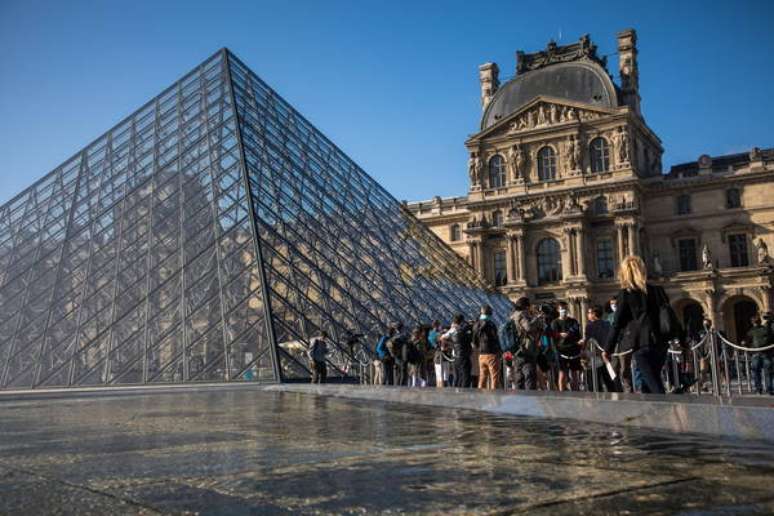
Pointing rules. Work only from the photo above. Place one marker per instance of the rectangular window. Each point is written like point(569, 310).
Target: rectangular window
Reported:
point(605, 259)
point(737, 248)
point(684, 204)
point(687, 251)
point(500, 269)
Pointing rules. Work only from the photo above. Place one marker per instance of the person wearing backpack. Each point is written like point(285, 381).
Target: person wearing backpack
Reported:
point(644, 321)
point(460, 336)
point(380, 373)
point(525, 358)
point(395, 346)
point(486, 341)
point(318, 349)
point(566, 333)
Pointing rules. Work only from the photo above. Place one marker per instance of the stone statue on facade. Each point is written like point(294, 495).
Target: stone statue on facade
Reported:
point(552, 115)
point(531, 119)
point(755, 154)
point(570, 114)
point(475, 166)
point(763, 252)
point(621, 142)
point(573, 164)
point(563, 114)
point(706, 257)
point(517, 161)
point(541, 115)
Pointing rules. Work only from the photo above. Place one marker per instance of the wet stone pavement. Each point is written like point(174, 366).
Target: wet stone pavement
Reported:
point(248, 451)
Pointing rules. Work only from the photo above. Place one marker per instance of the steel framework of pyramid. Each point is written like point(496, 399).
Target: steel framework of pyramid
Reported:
point(208, 237)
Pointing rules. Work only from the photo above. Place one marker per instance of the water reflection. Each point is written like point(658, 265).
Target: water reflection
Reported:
point(271, 451)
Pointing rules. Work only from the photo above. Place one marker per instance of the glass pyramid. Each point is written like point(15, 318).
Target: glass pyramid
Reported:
point(208, 237)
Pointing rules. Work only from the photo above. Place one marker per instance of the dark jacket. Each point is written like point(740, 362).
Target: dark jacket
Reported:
point(631, 305)
point(569, 344)
point(461, 340)
point(485, 337)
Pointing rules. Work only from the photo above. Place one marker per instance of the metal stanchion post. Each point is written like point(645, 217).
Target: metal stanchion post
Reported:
point(738, 372)
point(726, 368)
point(714, 364)
point(594, 376)
point(747, 370)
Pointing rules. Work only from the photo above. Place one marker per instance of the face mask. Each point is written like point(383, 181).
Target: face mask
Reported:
point(562, 312)
point(613, 306)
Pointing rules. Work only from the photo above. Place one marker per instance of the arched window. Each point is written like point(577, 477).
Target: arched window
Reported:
point(600, 155)
point(496, 172)
point(497, 218)
point(546, 163)
point(600, 205)
point(456, 234)
point(733, 198)
point(549, 261)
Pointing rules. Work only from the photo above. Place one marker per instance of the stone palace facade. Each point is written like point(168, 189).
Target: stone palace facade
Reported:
point(566, 178)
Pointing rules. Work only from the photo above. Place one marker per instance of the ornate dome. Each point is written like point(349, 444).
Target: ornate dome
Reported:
point(578, 81)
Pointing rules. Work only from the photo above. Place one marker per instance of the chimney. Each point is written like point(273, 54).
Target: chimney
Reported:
point(488, 74)
point(627, 67)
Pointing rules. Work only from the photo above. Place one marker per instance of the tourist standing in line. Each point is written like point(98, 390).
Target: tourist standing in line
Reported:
point(460, 336)
point(395, 346)
point(487, 342)
point(637, 319)
point(317, 353)
point(622, 363)
point(759, 336)
point(525, 358)
point(595, 336)
point(566, 333)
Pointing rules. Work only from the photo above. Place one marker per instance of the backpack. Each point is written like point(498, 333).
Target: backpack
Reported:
point(668, 323)
point(509, 337)
point(395, 347)
point(381, 347)
point(411, 353)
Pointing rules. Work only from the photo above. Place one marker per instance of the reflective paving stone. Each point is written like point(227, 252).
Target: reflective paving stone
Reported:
point(249, 451)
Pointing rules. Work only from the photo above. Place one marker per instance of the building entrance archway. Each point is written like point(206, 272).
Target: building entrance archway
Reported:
point(737, 312)
point(691, 314)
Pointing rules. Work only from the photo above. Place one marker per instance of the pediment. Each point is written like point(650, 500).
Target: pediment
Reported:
point(541, 113)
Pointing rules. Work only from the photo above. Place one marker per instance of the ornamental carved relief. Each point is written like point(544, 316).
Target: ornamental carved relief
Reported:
point(546, 114)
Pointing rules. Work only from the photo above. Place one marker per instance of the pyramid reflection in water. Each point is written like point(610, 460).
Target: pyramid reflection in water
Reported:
point(208, 237)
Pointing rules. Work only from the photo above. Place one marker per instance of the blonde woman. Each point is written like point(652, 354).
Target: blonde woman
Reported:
point(636, 323)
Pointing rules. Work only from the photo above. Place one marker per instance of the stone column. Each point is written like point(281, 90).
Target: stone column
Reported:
point(712, 312)
point(510, 261)
point(522, 258)
point(568, 265)
point(631, 228)
point(582, 318)
point(765, 298)
point(621, 245)
point(581, 252)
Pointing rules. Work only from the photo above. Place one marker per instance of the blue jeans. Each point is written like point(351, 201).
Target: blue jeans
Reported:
point(636, 377)
point(762, 364)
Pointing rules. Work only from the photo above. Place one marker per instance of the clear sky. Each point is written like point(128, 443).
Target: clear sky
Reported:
point(393, 83)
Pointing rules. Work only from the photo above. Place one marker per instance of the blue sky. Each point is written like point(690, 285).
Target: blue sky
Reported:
point(393, 83)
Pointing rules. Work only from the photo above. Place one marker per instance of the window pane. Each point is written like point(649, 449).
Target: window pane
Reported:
point(737, 247)
point(549, 261)
point(500, 268)
point(687, 252)
point(605, 259)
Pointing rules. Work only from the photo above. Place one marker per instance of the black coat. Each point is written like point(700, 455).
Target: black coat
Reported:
point(631, 305)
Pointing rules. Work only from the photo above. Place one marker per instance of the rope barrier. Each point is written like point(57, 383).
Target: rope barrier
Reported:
point(742, 348)
point(621, 354)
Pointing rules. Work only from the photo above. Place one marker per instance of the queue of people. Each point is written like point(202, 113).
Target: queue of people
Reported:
point(623, 347)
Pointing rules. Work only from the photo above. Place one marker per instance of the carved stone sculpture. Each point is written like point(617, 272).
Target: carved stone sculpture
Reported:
point(571, 154)
point(531, 119)
point(475, 166)
point(763, 252)
point(578, 157)
point(706, 257)
point(541, 115)
point(552, 115)
point(517, 160)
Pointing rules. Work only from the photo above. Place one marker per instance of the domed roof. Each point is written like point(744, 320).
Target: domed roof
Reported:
point(578, 81)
